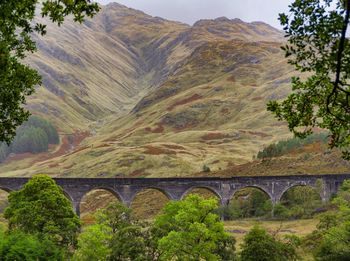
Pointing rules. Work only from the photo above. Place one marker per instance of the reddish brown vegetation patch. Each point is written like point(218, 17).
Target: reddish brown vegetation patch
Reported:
point(225, 111)
point(151, 150)
point(14, 157)
point(194, 97)
point(53, 165)
point(231, 79)
point(138, 173)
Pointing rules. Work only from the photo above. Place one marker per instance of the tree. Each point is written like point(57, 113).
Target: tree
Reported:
point(41, 207)
point(17, 25)
point(94, 243)
point(258, 245)
point(129, 236)
point(21, 246)
point(317, 45)
point(189, 230)
point(333, 231)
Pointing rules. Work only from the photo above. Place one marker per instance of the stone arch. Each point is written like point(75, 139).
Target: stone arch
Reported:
point(302, 203)
point(163, 191)
point(8, 190)
point(261, 188)
point(249, 201)
point(101, 199)
point(293, 185)
point(213, 190)
point(147, 202)
point(68, 196)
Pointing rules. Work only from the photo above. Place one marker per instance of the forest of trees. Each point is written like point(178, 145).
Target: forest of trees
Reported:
point(33, 136)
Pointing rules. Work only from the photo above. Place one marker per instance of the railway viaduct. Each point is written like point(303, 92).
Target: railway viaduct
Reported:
point(125, 189)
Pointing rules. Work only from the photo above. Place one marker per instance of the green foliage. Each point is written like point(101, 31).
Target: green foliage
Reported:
point(317, 46)
point(17, 26)
point(248, 203)
point(331, 240)
point(30, 140)
point(205, 168)
point(281, 212)
point(115, 236)
point(21, 246)
point(190, 230)
point(40, 207)
point(94, 243)
point(258, 245)
point(33, 136)
point(129, 240)
point(285, 146)
point(47, 127)
point(301, 201)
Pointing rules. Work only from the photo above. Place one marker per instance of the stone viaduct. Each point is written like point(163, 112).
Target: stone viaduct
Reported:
point(125, 189)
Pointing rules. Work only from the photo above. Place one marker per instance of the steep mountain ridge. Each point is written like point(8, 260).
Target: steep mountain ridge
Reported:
point(156, 97)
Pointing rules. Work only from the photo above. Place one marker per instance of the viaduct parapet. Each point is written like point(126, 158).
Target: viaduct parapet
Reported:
point(125, 189)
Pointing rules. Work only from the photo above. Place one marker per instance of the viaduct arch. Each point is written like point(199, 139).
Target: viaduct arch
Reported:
point(176, 188)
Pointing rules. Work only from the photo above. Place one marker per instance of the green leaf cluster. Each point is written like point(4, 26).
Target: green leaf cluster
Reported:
point(331, 240)
point(190, 230)
point(317, 46)
point(258, 245)
point(41, 208)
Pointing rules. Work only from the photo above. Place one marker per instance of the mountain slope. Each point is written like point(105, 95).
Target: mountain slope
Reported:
point(136, 95)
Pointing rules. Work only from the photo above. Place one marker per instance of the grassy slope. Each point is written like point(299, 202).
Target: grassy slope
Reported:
point(149, 97)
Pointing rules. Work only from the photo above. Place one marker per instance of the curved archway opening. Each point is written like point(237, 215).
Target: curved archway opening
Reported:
point(93, 201)
point(248, 202)
point(148, 203)
point(201, 191)
point(297, 202)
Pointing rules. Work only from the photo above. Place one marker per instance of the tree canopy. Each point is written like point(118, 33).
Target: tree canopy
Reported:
point(258, 245)
point(41, 207)
point(17, 25)
point(190, 230)
point(317, 46)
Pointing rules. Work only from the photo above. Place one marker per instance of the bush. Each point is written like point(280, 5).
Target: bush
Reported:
point(281, 212)
point(205, 168)
point(258, 245)
point(21, 246)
